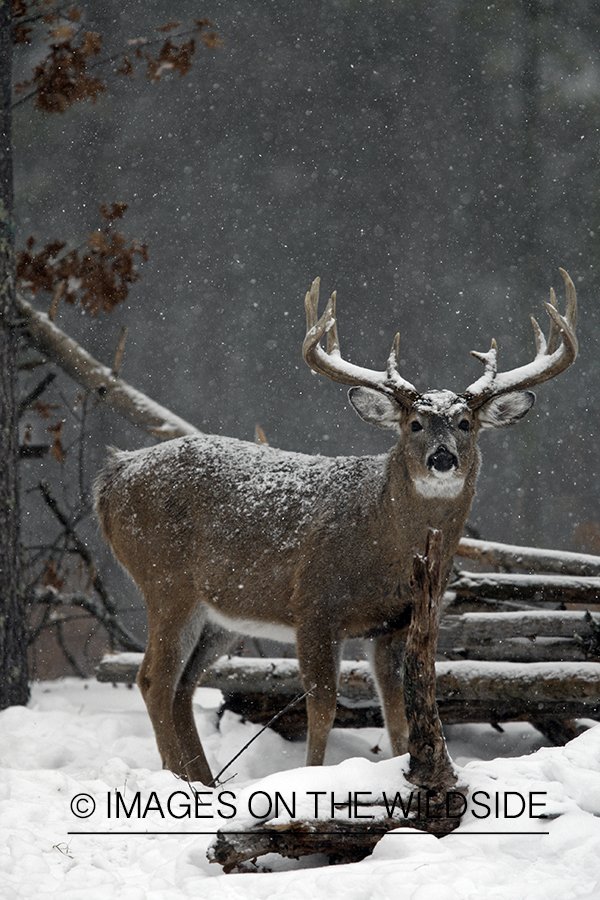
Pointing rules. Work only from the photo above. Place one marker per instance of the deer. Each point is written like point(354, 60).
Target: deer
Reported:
point(226, 537)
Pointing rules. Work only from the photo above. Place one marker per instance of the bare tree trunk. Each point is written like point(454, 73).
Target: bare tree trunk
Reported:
point(14, 688)
point(430, 765)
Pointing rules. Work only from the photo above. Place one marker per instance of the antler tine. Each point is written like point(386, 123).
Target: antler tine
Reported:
point(330, 363)
point(392, 363)
point(552, 357)
point(311, 303)
point(333, 341)
point(541, 346)
point(571, 293)
point(554, 333)
point(315, 329)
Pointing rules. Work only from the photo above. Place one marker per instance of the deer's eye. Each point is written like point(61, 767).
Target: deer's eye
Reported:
point(464, 425)
point(416, 426)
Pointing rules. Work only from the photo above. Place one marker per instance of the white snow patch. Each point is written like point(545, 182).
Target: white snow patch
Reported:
point(441, 403)
point(79, 742)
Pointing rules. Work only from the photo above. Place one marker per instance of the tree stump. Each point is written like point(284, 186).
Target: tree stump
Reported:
point(430, 765)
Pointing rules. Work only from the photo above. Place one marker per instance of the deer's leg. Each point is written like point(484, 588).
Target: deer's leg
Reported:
point(319, 661)
point(213, 642)
point(387, 660)
point(171, 643)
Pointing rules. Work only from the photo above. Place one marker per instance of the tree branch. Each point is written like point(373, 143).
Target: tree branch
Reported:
point(118, 632)
point(77, 363)
point(79, 547)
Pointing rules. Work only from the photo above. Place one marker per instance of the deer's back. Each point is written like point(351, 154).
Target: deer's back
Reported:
point(206, 495)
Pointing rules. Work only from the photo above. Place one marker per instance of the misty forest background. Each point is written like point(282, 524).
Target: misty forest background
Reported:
point(435, 162)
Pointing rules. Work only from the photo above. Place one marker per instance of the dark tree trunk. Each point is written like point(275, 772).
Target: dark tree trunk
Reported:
point(430, 764)
point(14, 688)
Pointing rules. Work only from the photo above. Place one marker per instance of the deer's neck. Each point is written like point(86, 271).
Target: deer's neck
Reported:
point(411, 512)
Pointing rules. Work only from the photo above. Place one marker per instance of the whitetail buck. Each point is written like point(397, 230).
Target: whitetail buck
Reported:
point(223, 536)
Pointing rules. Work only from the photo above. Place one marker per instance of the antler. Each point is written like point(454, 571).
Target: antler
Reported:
point(330, 362)
point(551, 357)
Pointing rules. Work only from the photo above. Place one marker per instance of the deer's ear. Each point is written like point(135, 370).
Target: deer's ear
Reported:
point(506, 409)
point(376, 408)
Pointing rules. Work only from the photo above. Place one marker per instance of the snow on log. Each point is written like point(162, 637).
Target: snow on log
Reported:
point(533, 558)
point(81, 366)
point(279, 677)
point(531, 636)
point(455, 679)
point(531, 623)
point(466, 691)
point(530, 588)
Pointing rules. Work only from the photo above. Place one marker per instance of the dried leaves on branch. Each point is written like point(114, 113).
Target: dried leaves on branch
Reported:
point(171, 56)
point(96, 276)
point(63, 76)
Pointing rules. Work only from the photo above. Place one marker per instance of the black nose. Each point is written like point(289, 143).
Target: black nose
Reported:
point(442, 460)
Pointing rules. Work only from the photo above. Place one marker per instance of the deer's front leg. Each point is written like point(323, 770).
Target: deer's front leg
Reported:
point(319, 661)
point(387, 659)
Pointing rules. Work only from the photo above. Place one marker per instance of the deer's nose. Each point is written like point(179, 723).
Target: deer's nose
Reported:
point(442, 460)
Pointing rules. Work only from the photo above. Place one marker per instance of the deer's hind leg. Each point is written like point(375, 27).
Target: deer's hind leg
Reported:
point(173, 656)
point(213, 642)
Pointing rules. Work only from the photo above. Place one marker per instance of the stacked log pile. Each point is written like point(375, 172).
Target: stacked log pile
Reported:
point(527, 656)
point(512, 646)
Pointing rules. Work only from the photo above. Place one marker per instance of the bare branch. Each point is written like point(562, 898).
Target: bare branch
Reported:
point(79, 547)
point(131, 404)
point(121, 635)
point(38, 390)
point(119, 352)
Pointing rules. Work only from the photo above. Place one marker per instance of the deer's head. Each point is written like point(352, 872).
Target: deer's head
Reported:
point(438, 429)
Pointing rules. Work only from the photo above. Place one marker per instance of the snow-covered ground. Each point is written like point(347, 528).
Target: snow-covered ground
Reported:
point(80, 744)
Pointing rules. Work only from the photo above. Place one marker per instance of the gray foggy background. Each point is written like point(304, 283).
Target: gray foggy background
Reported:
point(435, 162)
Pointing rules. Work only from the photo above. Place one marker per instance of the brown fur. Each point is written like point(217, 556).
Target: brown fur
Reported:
point(321, 546)
point(218, 533)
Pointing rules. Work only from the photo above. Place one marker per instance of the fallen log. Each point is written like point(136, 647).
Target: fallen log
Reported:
point(342, 842)
point(473, 627)
point(249, 675)
point(466, 691)
point(532, 558)
point(522, 650)
point(529, 588)
point(531, 636)
point(260, 709)
point(465, 680)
